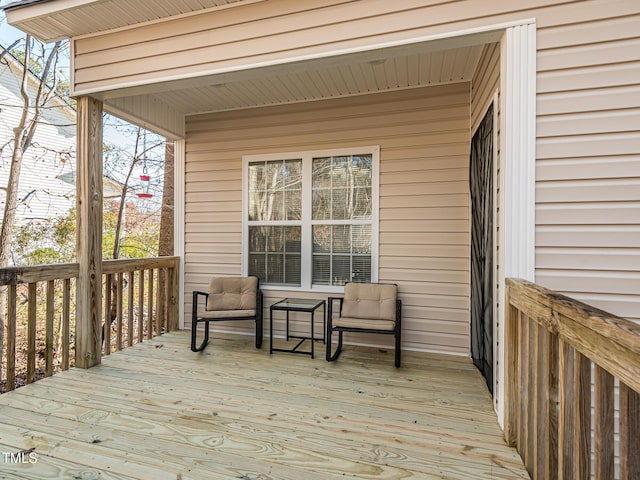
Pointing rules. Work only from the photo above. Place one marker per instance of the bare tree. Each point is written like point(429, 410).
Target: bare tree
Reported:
point(32, 108)
point(33, 105)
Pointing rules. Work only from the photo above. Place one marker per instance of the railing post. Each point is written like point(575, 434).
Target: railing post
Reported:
point(541, 402)
point(89, 232)
point(512, 388)
point(140, 306)
point(66, 315)
point(629, 433)
point(566, 421)
point(551, 444)
point(582, 412)
point(604, 424)
point(49, 328)
point(173, 296)
point(31, 333)
point(11, 338)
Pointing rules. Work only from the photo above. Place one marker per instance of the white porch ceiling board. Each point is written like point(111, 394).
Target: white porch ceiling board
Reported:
point(472, 62)
point(347, 75)
point(344, 79)
point(448, 62)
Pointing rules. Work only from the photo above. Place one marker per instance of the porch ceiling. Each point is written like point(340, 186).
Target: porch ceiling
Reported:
point(375, 72)
point(395, 67)
point(388, 68)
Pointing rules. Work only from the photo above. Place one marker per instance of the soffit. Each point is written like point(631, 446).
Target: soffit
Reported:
point(356, 78)
point(50, 20)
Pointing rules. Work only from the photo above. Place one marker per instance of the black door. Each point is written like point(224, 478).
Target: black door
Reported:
point(481, 185)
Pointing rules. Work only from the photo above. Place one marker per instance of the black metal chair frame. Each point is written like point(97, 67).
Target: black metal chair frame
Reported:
point(195, 320)
point(330, 329)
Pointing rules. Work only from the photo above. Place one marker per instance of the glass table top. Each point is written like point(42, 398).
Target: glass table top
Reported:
point(298, 304)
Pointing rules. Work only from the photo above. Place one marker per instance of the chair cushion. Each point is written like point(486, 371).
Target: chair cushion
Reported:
point(226, 313)
point(371, 301)
point(232, 293)
point(347, 322)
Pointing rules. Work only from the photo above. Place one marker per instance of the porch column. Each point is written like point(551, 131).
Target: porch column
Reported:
point(89, 232)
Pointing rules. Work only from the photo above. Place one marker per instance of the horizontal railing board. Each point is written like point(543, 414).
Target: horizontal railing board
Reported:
point(61, 271)
point(563, 362)
point(608, 340)
point(37, 273)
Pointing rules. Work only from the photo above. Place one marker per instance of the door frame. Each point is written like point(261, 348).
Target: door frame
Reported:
point(493, 101)
point(517, 162)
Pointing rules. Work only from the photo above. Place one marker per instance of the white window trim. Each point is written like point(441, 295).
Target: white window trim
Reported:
point(306, 157)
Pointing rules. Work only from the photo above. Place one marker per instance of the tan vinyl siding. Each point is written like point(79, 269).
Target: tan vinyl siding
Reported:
point(588, 178)
point(424, 215)
point(485, 83)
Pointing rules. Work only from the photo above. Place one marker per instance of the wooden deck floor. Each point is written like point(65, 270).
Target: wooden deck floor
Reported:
point(159, 411)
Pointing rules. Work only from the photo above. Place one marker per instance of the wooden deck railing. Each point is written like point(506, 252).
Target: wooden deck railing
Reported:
point(568, 364)
point(140, 298)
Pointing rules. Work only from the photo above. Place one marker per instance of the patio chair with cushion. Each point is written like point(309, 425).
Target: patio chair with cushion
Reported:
point(228, 299)
point(366, 308)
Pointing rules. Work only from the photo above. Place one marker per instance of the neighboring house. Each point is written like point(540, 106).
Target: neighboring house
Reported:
point(370, 108)
point(43, 193)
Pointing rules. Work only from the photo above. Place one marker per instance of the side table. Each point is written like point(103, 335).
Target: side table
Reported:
point(298, 305)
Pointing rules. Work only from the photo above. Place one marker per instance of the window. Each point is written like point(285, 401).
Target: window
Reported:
point(311, 219)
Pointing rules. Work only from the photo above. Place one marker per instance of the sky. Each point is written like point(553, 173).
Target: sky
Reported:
point(119, 136)
point(8, 34)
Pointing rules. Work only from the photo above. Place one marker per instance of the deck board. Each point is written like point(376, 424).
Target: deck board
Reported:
point(158, 410)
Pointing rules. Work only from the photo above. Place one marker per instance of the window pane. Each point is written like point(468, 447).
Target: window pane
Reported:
point(361, 269)
point(321, 173)
point(257, 205)
point(275, 239)
point(321, 204)
point(274, 254)
point(361, 239)
point(257, 265)
point(340, 203)
point(293, 240)
point(275, 269)
point(340, 172)
point(292, 174)
point(362, 168)
point(341, 241)
point(276, 206)
point(257, 177)
point(341, 253)
point(275, 190)
point(258, 239)
point(293, 202)
point(361, 203)
point(342, 187)
point(321, 239)
point(292, 270)
point(340, 269)
point(274, 175)
point(321, 270)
